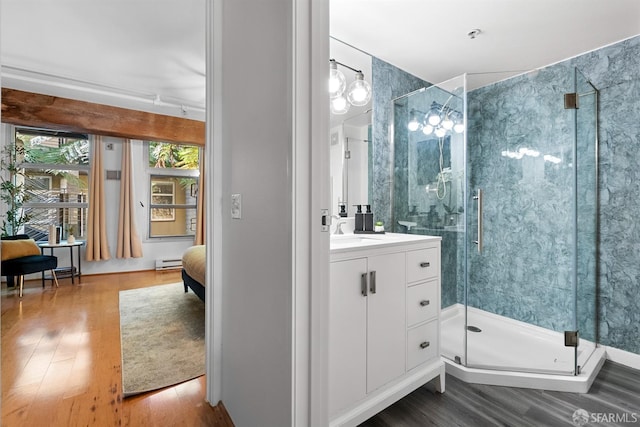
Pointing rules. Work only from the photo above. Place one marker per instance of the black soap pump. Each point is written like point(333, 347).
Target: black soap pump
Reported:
point(343, 210)
point(368, 220)
point(359, 226)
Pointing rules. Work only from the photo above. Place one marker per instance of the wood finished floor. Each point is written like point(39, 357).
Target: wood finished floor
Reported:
point(614, 394)
point(61, 360)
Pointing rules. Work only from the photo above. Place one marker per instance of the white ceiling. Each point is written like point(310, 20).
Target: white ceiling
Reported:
point(428, 38)
point(149, 54)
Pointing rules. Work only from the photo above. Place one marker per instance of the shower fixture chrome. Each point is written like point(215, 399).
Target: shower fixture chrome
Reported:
point(478, 198)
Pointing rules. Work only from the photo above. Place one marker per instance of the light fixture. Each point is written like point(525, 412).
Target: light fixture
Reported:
point(458, 122)
point(447, 122)
point(359, 91)
point(339, 105)
point(358, 94)
point(433, 116)
point(414, 121)
point(337, 81)
point(439, 120)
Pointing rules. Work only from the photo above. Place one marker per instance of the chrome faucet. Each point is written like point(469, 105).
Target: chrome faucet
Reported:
point(339, 224)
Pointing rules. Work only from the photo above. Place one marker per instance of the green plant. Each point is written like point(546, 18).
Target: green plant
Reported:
point(12, 190)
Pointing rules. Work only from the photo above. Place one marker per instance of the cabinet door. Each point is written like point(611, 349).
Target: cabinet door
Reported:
point(347, 334)
point(386, 332)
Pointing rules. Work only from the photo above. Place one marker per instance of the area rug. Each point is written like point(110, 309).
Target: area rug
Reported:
point(162, 337)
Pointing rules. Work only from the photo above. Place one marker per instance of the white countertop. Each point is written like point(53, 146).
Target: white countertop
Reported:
point(348, 242)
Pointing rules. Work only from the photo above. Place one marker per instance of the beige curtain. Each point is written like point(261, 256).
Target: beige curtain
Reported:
point(129, 244)
point(200, 212)
point(97, 244)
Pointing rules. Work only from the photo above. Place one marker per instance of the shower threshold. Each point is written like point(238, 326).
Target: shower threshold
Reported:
point(515, 354)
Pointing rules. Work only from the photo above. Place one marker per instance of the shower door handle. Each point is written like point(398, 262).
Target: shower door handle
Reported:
point(478, 198)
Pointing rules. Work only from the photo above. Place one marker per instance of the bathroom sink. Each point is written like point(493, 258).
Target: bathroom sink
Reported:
point(350, 239)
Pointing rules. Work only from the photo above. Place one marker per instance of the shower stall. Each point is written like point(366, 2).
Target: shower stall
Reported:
point(507, 174)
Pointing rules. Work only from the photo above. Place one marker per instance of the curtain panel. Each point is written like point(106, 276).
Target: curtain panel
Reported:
point(97, 244)
point(200, 211)
point(129, 244)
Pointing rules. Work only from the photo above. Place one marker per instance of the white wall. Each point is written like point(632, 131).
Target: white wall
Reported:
point(256, 120)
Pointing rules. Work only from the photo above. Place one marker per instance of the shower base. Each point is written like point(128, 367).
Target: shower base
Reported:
point(508, 352)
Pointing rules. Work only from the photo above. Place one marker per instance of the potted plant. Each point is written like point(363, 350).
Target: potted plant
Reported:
point(12, 190)
point(70, 230)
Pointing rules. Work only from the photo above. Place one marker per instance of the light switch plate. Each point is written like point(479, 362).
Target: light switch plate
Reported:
point(236, 206)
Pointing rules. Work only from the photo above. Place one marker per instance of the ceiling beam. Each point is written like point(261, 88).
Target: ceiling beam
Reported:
point(53, 112)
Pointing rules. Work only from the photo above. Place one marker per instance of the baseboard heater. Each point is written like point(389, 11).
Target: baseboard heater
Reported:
point(168, 264)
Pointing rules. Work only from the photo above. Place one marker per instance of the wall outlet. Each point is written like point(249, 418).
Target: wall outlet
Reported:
point(236, 206)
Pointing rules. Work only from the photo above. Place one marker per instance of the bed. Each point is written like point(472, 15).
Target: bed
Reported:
point(193, 270)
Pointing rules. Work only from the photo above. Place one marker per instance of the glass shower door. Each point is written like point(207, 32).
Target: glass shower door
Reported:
point(429, 188)
point(525, 158)
point(586, 216)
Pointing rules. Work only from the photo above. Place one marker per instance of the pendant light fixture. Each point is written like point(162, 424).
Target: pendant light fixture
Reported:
point(358, 93)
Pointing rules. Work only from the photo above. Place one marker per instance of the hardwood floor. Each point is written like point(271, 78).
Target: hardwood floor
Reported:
point(613, 400)
point(61, 360)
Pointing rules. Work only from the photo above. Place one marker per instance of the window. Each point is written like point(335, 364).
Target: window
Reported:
point(173, 179)
point(55, 171)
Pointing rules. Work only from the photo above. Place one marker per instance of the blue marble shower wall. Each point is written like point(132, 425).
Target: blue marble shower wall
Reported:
point(535, 286)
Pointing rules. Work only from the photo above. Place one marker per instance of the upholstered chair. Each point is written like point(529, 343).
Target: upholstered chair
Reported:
point(21, 255)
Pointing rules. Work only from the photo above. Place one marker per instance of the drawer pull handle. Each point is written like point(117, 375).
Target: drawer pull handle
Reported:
point(425, 345)
point(424, 303)
point(363, 284)
point(372, 282)
point(425, 264)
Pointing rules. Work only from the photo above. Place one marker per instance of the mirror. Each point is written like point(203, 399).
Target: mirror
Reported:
point(350, 137)
point(349, 153)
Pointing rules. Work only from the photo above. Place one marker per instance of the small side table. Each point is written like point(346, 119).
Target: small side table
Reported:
point(65, 271)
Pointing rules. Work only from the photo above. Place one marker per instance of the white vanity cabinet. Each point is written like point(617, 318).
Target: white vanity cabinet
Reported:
point(383, 323)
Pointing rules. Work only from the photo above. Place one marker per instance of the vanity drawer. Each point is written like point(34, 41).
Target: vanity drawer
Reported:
point(422, 344)
point(422, 302)
point(423, 264)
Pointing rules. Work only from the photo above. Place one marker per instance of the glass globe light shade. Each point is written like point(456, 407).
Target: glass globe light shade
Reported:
point(413, 125)
point(447, 123)
point(359, 93)
point(427, 129)
point(433, 118)
point(458, 122)
point(440, 132)
point(339, 105)
point(337, 81)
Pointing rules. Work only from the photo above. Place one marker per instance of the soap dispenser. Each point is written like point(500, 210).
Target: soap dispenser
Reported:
point(368, 220)
point(343, 210)
point(359, 226)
